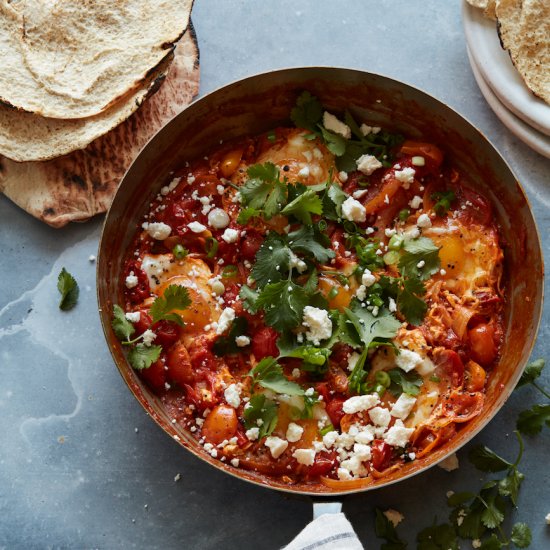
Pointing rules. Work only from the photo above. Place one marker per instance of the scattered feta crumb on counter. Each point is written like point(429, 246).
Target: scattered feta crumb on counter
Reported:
point(394, 517)
point(450, 463)
point(177, 477)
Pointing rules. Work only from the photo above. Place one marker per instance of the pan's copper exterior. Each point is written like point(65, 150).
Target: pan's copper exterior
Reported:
point(264, 101)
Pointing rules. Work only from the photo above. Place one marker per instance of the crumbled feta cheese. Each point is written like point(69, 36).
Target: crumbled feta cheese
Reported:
point(329, 439)
point(360, 403)
point(296, 373)
point(196, 227)
point(133, 317)
point(159, 230)
point(547, 518)
point(368, 164)
point(406, 175)
point(380, 416)
point(418, 161)
point(304, 456)
point(421, 264)
point(354, 465)
point(450, 463)
point(359, 193)
point(148, 337)
point(331, 123)
point(403, 406)
point(242, 341)
point(476, 543)
point(131, 280)
point(318, 323)
point(304, 172)
point(343, 176)
point(407, 360)
point(296, 262)
point(392, 306)
point(294, 432)
point(343, 474)
point(235, 462)
point(276, 445)
point(424, 221)
point(225, 320)
point(398, 435)
point(353, 210)
point(366, 435)
point(394, 517)
point(361, 293)
point(368, 279)
point(91, 258)
point(366, 129)
point(230, 235)
point(352, 360)
point(252, 433)
point(415, 202)
point(362, 451)
point(232, 395)
point(218, 218)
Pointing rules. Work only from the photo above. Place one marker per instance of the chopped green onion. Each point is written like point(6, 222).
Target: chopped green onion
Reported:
point(383, 378)
point(363, 183)
point(350, 227)
point(396, 242)
point(179, 252)
point(391, 257)
point(211, 247)
point(404, 214)
point(333, 293)
point(229, 271)
point(380, 389)
point(435, 379)
point(376, 300)
point(322, 225)
point(326, 429)
point(271, 136)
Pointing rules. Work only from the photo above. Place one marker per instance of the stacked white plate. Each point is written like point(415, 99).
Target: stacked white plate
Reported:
point(524, 114)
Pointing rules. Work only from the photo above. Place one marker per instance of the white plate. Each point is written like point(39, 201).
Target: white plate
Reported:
point(536, 140)
point(499, 72)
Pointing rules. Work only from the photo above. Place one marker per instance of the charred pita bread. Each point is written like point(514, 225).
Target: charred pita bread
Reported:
point(478, 3)
point(524, 30)
point(77, 186)
point(74, 59)
point(29, 137)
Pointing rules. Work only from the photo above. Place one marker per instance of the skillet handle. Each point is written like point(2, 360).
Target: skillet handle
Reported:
point(321, 507)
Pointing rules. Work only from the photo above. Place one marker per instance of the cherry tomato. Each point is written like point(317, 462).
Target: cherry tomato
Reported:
point(324, 463)
point(179, 365)
point(381, 454)
point(143, 324)
point(251, 244)
point(482, 343)
point(335, 411)
point(154, 376)
point(221, 424)
point(264, 343)
point(167, 333)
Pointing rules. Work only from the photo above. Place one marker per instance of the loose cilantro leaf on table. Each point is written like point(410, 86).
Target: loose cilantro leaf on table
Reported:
point(531, 421)
point(68, 288)
point(142, 356)
point(437, 537)
point(262, 409)
point(165, 307)
point(121, 326)
point(385, 529)
point(486, 460)
point(420, 259)
point(521, 535)
point(531, 372)
point(269, 374)
point(404, 382)
point(444, 200)
point(226, 345)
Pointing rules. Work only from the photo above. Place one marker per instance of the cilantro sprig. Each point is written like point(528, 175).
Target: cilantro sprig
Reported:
point(68, 288)
point(385, 529)
point(444, 201)
point(420, 259)
point(269, 374)
point(531, 421)
point(261, 413)
point(166, 307)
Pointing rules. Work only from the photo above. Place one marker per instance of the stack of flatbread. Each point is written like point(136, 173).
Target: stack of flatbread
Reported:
point(84, 84)
point(524, 30)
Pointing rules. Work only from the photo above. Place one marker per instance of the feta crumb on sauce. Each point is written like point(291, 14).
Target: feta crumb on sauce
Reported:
point(406, 175)
point(352, 360)
point(133, 316)
point(242, 341)
point(318, 323)
point(353, 210)
point(196, 227)
point(368, 164)
point(148, 337)
point(252, 433)
point(232, 395)
point(276, 445)
point(403, 406)
point(415, 202)
point(407, 360)
point(294, 432)
point(424, 221)
point(392, 306)
point(216, 285)
point(394, 517)
point(159, 230)
point(331, 123)
point(304, 172)
point(450, 463)
point(131, 280)
point(230, 235)
point(296, 262)
point(343, 176)
point(368, 279)
point(398, 435)
point(218, 218)
point(304, 456)
point(380, 416)
point(235, 462)
point(225, 320)
point(359, 403)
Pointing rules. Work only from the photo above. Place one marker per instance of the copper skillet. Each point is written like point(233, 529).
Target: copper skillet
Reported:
point(261, 102)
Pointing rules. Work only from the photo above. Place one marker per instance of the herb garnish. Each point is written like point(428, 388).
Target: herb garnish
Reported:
point(165, 307)
point(269, 374)
point(68, 288)
point(385, 529)
point(261, 413)
point(444, 200)
point(531, 421)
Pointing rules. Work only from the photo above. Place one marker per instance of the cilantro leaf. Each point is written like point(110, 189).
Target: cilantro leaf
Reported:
point(272, 260)
point(142, 356)
point(333, 199)
point(269, 374)
point(421, 251)
point(263, 191)
point(165, 307)
point(486, 460)
point(456, 499)
point(359, 375)
point(531, 372)
point(226, 345)
point(249, 298)
point(262, 409)
point(121, 326)
point(310, 241)
point(531, 421)
point(284, 304)
point(404, 382)
point(385, 529)
point(437, 537)
point(521, 535)
point(370, 328)
point(68, 288)
point(469, 525)
point(266, 172)
point(335, 143)
point(366, 251)
point(246, 214)
point(444, 200)
point(307, 113)
point(303, 206)
point(492, 543)
point(509, 485)
point(493, 515)
point(409, 303)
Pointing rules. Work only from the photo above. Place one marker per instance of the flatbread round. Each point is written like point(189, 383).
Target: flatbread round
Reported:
point(524, 30)
point(77, 186)
point(29, 137)
point(76, 58)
